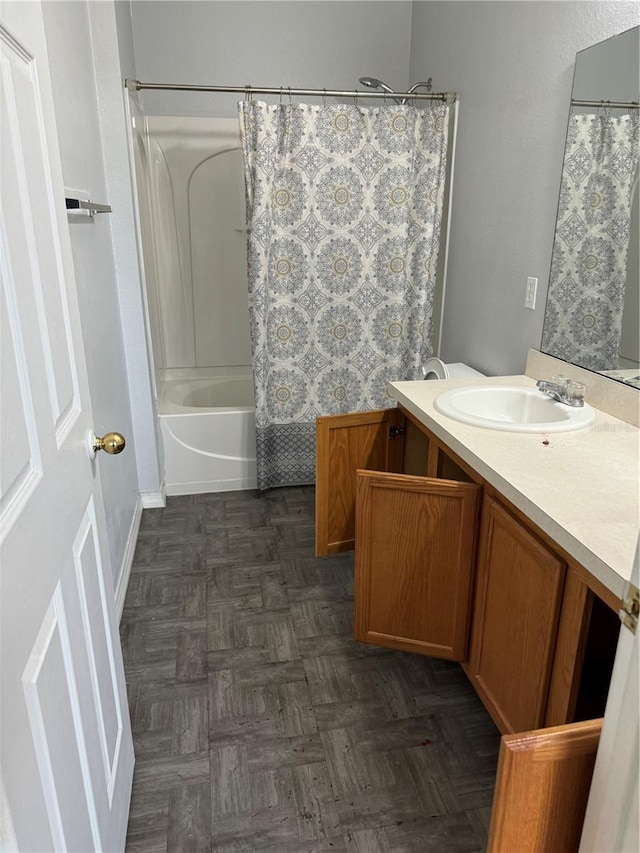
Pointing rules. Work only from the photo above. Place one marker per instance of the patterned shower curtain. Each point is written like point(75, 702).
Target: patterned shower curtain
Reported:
point(583, 318)
point(343, 211)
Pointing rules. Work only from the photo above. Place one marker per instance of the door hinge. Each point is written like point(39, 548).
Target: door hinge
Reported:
point(630, 607)
point(395, 430)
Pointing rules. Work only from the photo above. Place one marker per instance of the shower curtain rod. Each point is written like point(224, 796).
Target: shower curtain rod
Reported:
point(629, 105)
point(288, 92)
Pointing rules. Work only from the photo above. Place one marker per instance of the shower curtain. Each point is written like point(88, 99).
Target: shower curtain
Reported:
point(583, 317)
point(343, 211)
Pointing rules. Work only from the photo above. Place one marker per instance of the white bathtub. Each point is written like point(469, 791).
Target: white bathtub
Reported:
point(208, 432)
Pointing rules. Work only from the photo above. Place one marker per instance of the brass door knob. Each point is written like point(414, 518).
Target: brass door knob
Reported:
point(110, 442)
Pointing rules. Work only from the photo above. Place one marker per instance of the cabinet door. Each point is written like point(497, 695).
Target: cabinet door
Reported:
point(542, 788)
point(414, 563)
point(345, 443)
point(515, 620)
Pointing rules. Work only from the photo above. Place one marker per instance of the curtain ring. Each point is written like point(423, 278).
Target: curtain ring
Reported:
point(355, 98)
point(384, 101)
point(281, 91)
point(247, 92)
point(324, 98)
point(290, 101)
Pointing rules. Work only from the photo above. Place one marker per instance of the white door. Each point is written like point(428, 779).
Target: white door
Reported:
point(66, 753)
point(612, 821)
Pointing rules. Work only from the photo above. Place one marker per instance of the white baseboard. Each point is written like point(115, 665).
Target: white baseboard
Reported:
point(127, 560)
point(200, 488)
point(153, 500)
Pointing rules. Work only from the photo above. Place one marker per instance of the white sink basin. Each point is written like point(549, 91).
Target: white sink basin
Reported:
point(511, 408)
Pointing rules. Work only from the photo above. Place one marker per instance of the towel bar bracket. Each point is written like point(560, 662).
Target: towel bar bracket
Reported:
point(78, 205)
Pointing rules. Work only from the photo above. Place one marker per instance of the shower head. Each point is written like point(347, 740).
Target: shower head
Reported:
point(374, 83)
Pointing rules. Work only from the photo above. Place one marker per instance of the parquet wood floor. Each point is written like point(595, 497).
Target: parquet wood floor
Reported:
point(260, 724)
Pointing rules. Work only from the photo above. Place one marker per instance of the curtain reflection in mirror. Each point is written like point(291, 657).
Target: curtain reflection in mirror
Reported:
point(583, 320)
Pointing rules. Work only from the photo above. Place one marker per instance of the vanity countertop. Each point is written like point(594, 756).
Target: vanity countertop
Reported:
point(582, 488)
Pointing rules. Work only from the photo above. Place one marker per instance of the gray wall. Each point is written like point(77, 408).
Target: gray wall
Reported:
point(124, 25)
point(299, 44)
point(512, 64)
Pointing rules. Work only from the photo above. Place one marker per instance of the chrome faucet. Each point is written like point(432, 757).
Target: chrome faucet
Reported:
point(563, 390)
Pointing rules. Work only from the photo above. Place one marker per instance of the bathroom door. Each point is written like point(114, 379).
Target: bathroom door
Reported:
point(66, 752)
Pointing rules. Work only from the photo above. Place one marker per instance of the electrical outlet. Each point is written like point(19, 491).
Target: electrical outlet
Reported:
point(530, 293)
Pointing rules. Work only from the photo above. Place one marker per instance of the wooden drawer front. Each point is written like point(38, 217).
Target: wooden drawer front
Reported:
point(414, 563)
point(518, 598)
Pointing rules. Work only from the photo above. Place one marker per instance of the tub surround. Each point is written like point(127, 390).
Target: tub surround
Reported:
point(200, 396)
point(580, 487)
point(192, 216)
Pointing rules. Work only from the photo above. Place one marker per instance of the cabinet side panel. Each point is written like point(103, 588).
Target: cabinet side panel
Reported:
point(569, 653)
point(345, 443)
point(414, 563)
point(416, 451)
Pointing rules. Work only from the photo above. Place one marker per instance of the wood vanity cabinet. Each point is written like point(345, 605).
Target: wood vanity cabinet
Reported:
point(416, 535)
point(523, 619)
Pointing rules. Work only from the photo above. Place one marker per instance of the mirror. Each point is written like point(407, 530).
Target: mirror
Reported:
point(592, 316)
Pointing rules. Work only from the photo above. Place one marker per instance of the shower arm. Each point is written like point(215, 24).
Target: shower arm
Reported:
point(427, 85)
